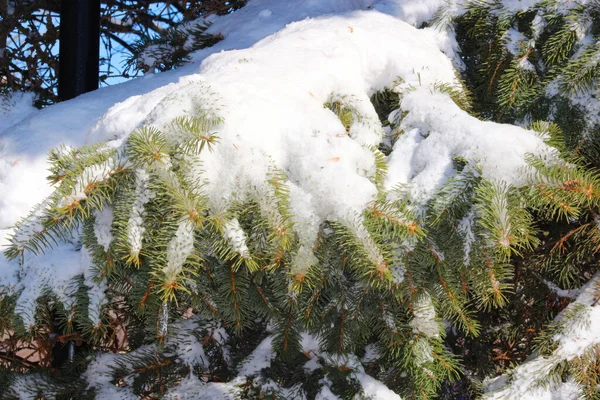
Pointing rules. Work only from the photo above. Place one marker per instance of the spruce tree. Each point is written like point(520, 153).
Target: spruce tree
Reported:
point(431, 295)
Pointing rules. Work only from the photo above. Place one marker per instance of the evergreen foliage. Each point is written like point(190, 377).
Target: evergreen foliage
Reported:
point(540, 64)
point(217, 293)
point(170, 49)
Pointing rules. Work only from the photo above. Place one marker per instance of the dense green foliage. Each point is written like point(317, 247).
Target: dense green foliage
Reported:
point(476, 258)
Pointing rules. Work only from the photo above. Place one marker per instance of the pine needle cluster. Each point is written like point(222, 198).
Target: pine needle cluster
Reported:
point(192, 291)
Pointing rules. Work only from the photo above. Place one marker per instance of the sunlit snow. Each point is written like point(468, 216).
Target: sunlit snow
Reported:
point(268, 80)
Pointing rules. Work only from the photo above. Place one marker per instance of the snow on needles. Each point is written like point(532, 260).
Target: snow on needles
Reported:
point(271, 99)
point(26, 134)
point(581, 335)
point(438, 130)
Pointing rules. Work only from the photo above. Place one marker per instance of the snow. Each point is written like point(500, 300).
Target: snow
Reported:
point(236, 237)
point(305, 150)
point(23, 386)
point(102, 226)
point(326, 394)
point(424, 320)
point(310, 347)
point(580, 337)
point(90, 175)
point(371, 354)
point(15, 108)
point(465, 228)
point(526, 65)
point(519, 5)
point(374, 388)
point(143, 194)
point(192, 388)
point(179, 249)
point(306, 75)
point(189, 348)
point(99, 376)
point(586, 100)
point(260, 18)
point(563, 391)
point(514, 41)
point(301, 78)
point(96, 290)
point(424, 326)
point(53, 270)
point(436, 125)
point(259, 359)
point(538, 25)
point(569, 293)
point(574, 341)
point(268, 80)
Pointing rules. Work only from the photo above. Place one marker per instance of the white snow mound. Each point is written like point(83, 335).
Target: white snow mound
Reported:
point(271, 99)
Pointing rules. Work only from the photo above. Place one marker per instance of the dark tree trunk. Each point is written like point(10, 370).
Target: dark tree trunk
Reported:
point(79, 51)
